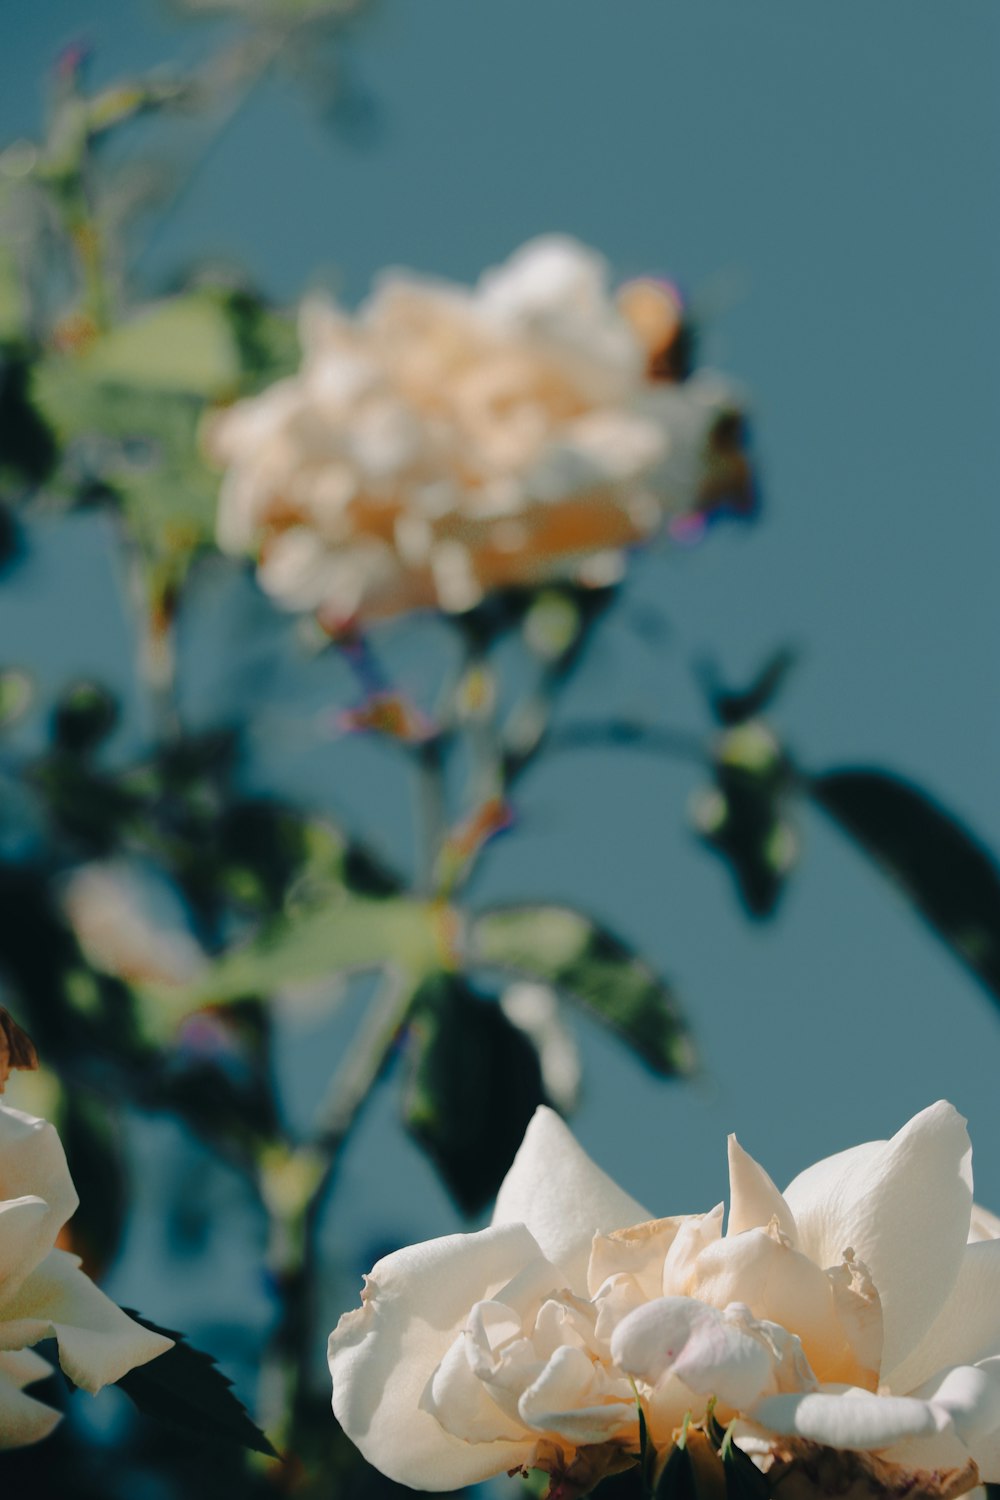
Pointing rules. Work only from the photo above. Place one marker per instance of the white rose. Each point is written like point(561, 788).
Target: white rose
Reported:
point(43, 1292)
point(859, 1311)
point(447, 441)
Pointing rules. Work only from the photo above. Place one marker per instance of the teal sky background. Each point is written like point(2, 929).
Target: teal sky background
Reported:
point(823, 181)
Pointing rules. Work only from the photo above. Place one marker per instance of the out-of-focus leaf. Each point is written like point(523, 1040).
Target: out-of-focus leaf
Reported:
point(93, 1152)
point(743, 816)
point(83, 717)
point(187, 1389)
point(16, 692)
point(350, 933)
point(145, 446)
point(475, 1084)
point(950, 876)
point(592, 967)
point(184, 345)
point(28, 448)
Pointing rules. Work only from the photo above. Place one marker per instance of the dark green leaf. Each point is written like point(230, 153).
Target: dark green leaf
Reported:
point(594, 968)
point(475, 1083)
point(950, 876)
point(93, 1151)
point(677, 1479)
point(744, 1481)
point(28, 449)
point(186, 1388)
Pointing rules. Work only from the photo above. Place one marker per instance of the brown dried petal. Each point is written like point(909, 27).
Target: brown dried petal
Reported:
point(807, 1471)
point(17, 1050)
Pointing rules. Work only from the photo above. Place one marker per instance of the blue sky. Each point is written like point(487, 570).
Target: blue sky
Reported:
point(823, 180)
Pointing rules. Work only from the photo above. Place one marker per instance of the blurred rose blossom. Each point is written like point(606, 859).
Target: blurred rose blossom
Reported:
point(445, 441)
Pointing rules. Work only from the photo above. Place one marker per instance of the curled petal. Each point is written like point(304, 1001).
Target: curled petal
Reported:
point(383, 1356)
point(850, 1418)
point(572, 1400)
point(903, 1207)
point(699, 1345)
point(98, 1343)
point(970, 1395)
point(555, 1189)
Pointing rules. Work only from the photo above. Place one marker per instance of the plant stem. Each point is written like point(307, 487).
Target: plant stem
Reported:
point(294, 1190)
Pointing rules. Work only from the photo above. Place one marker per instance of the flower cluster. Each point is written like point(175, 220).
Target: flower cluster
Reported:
point(43, 1292)
point(446, 441)
point(856, 1314)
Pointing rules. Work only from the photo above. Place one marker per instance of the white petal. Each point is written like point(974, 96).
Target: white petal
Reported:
point(98, 1343)
point(967, 1329)
point(569, 1399)
point(970, 1395)
point(638, 1252)
point(564, 1199)
point(984, 1225)
point(23, 1420)
point(699, 1345)
point(753, 1198)
point(903, 1206)
point(383, 1356)
point(851, 1418)
point(461, 1403)
point(33, 1165)
point(778, 1283)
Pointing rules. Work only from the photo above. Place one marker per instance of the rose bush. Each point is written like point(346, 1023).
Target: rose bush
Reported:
point(857, 1314)
point(445, 441)
point(43, 1292)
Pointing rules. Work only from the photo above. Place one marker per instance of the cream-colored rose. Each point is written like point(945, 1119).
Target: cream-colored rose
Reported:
point(859, 1311)
point(445, 442)
point(43, 1292)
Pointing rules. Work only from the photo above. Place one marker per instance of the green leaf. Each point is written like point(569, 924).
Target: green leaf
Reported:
point(187, 1389)
point(595, 969)
point(950, 876)
point(475, 1083)
point(184, 345)
point(352, 932)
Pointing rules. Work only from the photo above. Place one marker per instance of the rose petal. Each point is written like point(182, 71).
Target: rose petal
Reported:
point(23, 1420)
point(555, 1189)
point(983, 1225)
point(967, 1329)
point(849, 1418)
point(569, 1398)
point(903, 1206)
point(637, 1252)
point(699, 1345)
point(383, 1356)
point(777, 1283)
point(98, 1343)
point(33, 1165)
point(969, 1394)
point(753, 1198)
